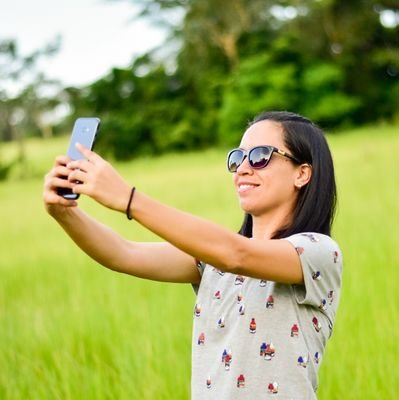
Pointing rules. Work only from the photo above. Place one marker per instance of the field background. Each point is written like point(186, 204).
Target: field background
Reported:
point(70, 329)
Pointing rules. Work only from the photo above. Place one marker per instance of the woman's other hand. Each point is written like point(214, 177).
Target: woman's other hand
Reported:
point(57, 178)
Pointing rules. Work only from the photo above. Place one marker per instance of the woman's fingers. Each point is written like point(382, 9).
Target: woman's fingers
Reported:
point(83, 165)
point(60, 170)
point(91, 158)
point(77, 175)
point(62, 160)
point(55, 199)
point(90, 155)
point(93, 176)
point(51, 184)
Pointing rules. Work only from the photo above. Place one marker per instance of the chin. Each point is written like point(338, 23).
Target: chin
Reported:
point(249, 208)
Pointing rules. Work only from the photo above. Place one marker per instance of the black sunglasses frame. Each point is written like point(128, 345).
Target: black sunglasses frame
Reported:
point(247, 153)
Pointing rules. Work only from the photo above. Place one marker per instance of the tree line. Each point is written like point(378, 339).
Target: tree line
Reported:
point(335, 61)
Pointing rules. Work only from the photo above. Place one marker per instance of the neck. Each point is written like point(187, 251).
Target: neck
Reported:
point(263, 227)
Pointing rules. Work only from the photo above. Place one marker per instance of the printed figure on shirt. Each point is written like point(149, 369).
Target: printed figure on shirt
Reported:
point(299, 250)
point(295, 330)
point(197, 310)
point(316, 276)
point(241, 381)
point(221, 273)
point(313, 238)
point(201, 338)
point(273, 387)
point(252, 326)
point(331, 295)
point(316, 324)
point(303, 361)
point(226, 359)
point(336, 255)
point(267, 351)
point(208, 382)
point(269, 302)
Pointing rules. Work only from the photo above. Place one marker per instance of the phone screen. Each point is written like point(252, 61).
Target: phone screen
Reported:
point(84, 132)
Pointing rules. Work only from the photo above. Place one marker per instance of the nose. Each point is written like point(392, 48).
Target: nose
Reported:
point(244, 167)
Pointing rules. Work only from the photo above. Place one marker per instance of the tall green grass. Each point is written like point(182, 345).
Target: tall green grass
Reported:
point(70, 329)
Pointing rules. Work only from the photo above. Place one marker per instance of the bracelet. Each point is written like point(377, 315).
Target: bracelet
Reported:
point(130, 203)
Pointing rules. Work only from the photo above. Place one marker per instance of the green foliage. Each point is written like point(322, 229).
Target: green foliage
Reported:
point(257, 84)
point(5, 170)
point(323, 98)
point(72, 330)
point(334, 61)
point(22, 105)
point(149, 113)
point(23, 108)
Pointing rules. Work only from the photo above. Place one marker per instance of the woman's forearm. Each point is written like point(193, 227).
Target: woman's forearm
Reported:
point(218, 246)
point(158, 261)
point(97, 240)
point(201, 238)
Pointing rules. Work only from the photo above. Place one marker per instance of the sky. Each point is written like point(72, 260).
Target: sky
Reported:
point(96, 35)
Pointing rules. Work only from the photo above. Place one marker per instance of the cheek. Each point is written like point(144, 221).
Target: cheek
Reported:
point(285, 185)
point(279, 189)
point(234, 180)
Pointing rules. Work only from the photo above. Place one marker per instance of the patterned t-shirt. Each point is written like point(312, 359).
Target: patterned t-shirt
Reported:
point(254, 338)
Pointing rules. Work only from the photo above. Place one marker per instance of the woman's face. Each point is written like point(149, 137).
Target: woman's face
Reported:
point(271, 189)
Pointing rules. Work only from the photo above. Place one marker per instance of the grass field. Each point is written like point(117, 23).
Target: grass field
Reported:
point(72, 330)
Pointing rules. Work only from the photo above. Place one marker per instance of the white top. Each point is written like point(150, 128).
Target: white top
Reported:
point(253, 338)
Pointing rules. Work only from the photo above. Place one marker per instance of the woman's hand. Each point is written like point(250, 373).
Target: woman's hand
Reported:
point(99, 180)
point(57, 178)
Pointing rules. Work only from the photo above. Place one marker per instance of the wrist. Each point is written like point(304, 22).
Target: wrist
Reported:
point(129, 211)
point(60, 213)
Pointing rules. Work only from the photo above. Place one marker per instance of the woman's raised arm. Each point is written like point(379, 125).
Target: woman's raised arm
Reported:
point(157, 261)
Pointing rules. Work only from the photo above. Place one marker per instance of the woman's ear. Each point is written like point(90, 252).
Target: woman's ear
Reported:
point(304, 173)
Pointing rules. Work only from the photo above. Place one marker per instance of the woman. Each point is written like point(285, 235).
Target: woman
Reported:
point(267, 297)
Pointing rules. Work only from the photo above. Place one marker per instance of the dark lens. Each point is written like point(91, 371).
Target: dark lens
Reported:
point(259, 157)
point(234, 160)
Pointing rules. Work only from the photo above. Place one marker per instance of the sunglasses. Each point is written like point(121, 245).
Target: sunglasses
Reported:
point(258, 157)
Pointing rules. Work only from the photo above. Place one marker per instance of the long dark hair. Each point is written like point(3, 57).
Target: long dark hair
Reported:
point(315, 207)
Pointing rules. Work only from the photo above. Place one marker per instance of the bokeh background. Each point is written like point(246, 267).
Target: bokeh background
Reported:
point(73, 330)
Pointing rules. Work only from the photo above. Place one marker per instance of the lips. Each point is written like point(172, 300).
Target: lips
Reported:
point(245, 187)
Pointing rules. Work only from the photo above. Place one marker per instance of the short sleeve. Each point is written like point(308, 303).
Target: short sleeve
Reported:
point(321, 262)
point(201, 267)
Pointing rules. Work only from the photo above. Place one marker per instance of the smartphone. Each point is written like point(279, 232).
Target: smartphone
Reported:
point(85, 132)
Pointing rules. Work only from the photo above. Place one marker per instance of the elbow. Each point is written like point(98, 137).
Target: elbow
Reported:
point(113, 267)
point(234, 262)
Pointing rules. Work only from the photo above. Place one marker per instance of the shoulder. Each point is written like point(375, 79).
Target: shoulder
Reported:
point(316, 246)
point(313, 239)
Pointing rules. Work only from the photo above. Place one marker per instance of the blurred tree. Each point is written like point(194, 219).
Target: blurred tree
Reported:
point(350, 37)
point(257, 84)
point(25, 90)
point(23, 101)
point(142, 113)
point(333, 60)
